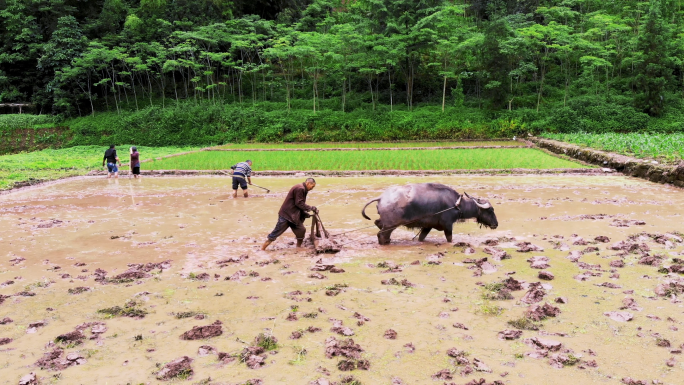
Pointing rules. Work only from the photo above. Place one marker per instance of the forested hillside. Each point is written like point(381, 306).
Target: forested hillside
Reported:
point(512, 66)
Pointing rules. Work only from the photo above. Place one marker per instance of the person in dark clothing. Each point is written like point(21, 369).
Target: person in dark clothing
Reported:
point(293, 212)
point(135, 162)
point(112, 159)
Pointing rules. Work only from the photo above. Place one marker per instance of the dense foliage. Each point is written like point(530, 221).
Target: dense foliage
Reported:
point(668, 148)
point(342, 66)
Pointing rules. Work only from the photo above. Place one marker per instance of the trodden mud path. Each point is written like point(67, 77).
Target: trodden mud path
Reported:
point(73, 248)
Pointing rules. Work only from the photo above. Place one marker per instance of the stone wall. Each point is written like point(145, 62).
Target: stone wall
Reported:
point(627, 165)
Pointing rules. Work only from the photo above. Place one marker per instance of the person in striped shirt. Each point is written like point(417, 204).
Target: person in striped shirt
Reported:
point(242, 175)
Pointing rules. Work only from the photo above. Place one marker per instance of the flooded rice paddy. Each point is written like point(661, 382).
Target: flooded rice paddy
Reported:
point(116, 282)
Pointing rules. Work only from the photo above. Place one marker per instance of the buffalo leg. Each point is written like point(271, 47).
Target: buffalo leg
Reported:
point(447, 232)
point(423, 233)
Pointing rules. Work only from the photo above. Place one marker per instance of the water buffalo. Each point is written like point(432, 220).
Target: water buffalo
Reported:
point(412, 206)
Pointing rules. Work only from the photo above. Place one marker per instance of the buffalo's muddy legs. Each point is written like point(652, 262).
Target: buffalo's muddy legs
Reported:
point(423, 233)
point(447, 232)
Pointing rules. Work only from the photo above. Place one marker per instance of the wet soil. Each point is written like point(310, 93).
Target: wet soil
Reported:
point(606, 304)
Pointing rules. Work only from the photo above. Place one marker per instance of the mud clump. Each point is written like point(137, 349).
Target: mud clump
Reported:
point(539, 313)
point(296, 335)
point(669, 288)
point(630, 247)
point(602, 239)
point(544, 344)
point(254, 356)
point(524, 323)
point(526, 247)
point(546, 275)
point(349, 365)
point(6, 321)
point(342, 348)
point(631, 381)
point(619, 316)
point(202, 332)
point(617, 263)
point(29, 379)
point(560, 360)
point(55, 360)
point(130, 309)
point(317, 276)
point(512, 284)
point(225, 262)
point(629, 303)
point(444, 374)
point(509, 334)
point(5, 341)
point(497, 291)
point(179, 368)
point(395, 282)
point(390, 334)
point(539, 262)
point(534, 294)
point(650, 260)
point(340, 329)
point(72, 338)
point(78, 290)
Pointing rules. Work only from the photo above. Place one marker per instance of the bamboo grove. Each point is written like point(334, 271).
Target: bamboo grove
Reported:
point(558, 57)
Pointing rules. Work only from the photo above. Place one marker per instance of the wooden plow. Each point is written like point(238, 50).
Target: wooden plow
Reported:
point(320, 237)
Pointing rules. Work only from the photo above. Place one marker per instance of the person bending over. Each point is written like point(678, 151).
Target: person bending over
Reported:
point(135, 162)
point(111, 159)
point(293, 212)
point(242, 175)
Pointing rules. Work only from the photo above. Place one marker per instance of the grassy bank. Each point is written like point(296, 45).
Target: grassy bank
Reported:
point(663, 147)
point(56, 164)
point(368, 160)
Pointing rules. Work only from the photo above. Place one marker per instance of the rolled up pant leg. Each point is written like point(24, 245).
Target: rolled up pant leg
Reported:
point(282, 225)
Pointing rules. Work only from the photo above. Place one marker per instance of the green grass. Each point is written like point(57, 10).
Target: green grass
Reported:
point(664, 147)
point(368, 160)
point(370, 144)
point(55, 164)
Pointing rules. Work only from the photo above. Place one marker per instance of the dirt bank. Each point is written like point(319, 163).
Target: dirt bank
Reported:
point(640, 168)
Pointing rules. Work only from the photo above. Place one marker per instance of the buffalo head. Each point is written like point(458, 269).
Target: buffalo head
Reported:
point(480, 209)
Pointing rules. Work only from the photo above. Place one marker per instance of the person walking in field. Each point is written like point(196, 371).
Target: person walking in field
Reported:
point(135, 162)
point(242, 175)
point(111, 159)
point(293, 212)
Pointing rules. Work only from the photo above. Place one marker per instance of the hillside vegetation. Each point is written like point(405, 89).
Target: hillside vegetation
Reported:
point(207, 71)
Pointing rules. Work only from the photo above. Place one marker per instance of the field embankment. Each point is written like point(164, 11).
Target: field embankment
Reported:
point(640, 168)
point(665, 148)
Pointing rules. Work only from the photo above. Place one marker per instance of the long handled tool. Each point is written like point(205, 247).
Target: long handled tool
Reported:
point(251, 184)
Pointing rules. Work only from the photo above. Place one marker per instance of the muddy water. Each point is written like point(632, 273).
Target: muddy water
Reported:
point(108, 224)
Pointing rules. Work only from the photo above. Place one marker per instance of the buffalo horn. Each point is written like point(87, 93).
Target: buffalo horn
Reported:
point(458, 202)
point(480, 205)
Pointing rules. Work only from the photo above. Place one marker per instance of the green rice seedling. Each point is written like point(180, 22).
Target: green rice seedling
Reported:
point(524, 323)
point(488, 309)
point(266, 342)
point(238, 146)
point(496, 291)
point(663, 147)
point(369, 160)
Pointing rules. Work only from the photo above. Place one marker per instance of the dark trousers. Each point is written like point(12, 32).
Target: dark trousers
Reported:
point(283, 224)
